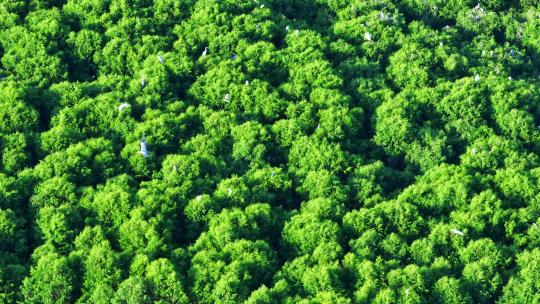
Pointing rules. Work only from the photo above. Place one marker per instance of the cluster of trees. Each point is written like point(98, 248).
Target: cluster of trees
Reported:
point(365, 151)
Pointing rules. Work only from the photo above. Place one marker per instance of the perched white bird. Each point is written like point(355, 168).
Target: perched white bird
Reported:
point(247, 82)
point(199, 197)
point(535, 226)
point(229, 192)
point(123, 105)
point(174, 168)
point(143, 150)
point(476, 77)
point(478, 12)
point(296, 32)
point(457, 232)
point(205, 52)
point(446, 27)
point(160, 58)
point(227, 97)
point(273, 174)
point(142, 81)
point(367, 36)
point(262, 5)
point(473, 151)
point(287, 28)
point(510, 78)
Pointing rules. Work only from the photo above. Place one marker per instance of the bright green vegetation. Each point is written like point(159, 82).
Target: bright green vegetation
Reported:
point(344, 151)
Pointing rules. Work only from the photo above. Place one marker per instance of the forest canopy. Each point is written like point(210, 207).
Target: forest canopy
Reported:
point(269, 151)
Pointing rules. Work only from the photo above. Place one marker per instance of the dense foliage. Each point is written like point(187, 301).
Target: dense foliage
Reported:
point(297, 151)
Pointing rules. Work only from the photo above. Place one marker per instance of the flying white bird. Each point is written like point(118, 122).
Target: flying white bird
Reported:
point(123, 105)
point(143, 150)
point(457, 232)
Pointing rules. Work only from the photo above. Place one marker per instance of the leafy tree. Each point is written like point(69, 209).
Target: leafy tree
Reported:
point(51, 280)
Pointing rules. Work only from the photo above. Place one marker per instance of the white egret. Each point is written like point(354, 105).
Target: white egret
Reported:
point(457, 232)
point(123, 105)
point(367, 36)
point(143, 150)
